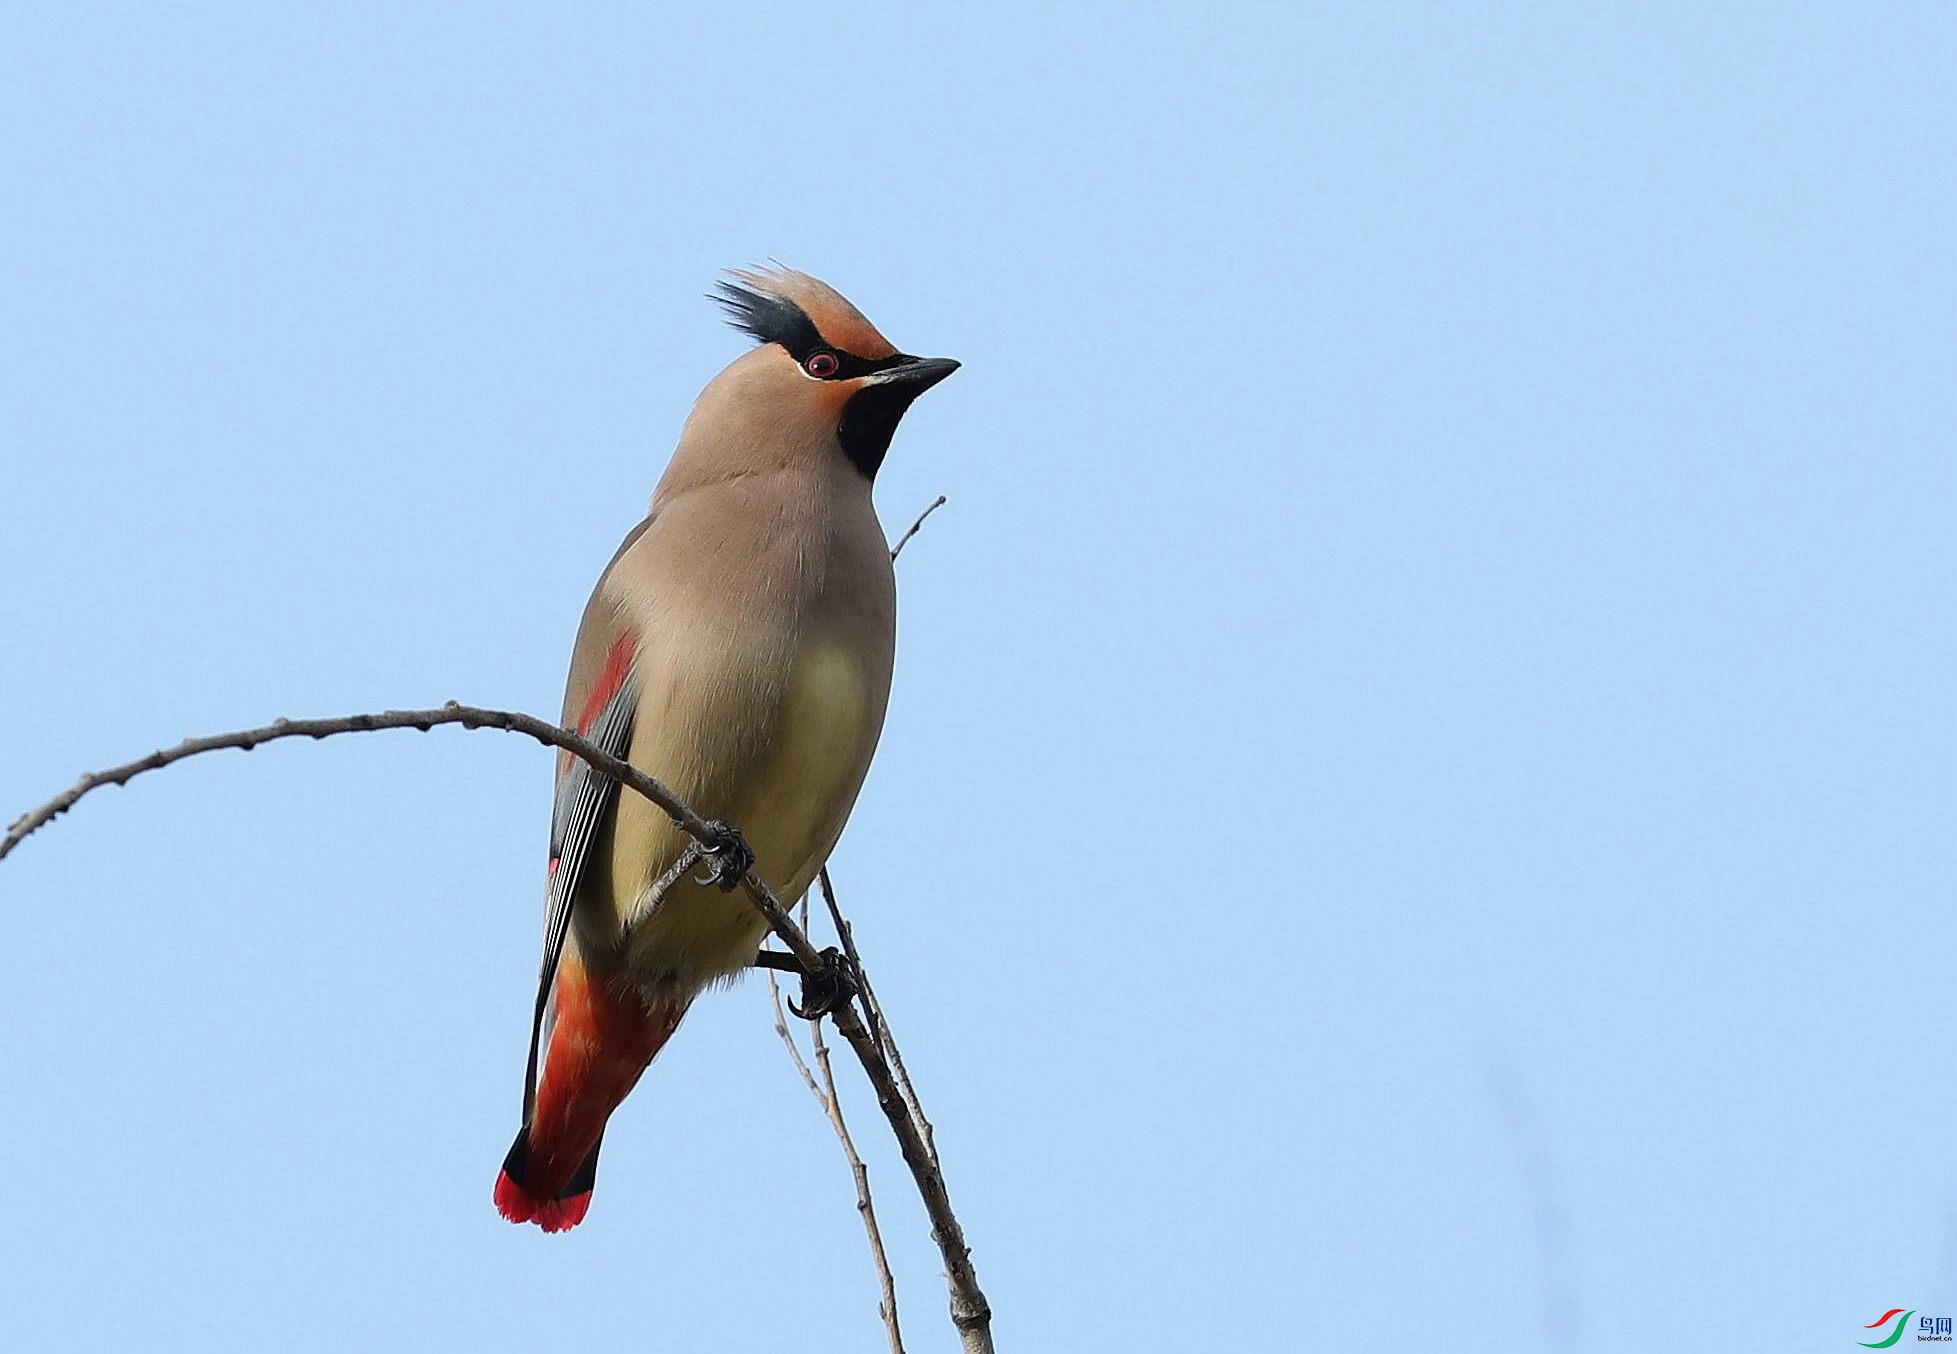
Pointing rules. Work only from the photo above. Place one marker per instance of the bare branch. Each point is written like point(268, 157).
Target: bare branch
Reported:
point(794, 1049)
point(834, 1105)
point(905, 539)
point(879, 1027)
point(468, 716)
point(970, 1312)
point(825, 1096)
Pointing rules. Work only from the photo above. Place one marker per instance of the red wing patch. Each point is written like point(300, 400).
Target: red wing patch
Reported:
point(618, 665)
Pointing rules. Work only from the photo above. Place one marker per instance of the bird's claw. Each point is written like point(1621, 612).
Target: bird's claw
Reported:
point(729, 857)
point(828, 989)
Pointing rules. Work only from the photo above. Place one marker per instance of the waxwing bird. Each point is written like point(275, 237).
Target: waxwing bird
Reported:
point(738, 647)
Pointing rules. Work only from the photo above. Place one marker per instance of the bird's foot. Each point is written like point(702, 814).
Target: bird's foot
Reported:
point(829, 988)
point(728, 856)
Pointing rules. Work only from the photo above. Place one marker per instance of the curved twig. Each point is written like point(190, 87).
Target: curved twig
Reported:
point(969, 1311)
point(469, 716)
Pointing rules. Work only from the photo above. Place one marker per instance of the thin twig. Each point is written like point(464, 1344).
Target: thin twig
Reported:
point(872, 1012)
point(825, 1096)
point(970, 1312)
point(887, 1308)
point(794, 1049)
point(468, 716)
point(905, 539)
point(879, 1027)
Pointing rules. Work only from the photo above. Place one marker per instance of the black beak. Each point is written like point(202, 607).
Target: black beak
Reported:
point(915, 375)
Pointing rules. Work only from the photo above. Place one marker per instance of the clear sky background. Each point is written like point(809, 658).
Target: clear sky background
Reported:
point(1417, 807)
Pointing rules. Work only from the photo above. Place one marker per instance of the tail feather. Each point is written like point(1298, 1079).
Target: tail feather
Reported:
point(600, 1042)
point(518, 1202)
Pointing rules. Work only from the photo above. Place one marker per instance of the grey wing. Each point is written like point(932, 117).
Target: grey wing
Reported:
point(583, 796)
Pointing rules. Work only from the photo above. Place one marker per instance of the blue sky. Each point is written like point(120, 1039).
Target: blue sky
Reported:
point(1417, 804)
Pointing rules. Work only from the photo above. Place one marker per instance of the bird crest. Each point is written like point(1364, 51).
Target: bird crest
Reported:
point(780, 305)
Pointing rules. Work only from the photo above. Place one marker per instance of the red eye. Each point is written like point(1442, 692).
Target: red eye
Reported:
point(822, 365)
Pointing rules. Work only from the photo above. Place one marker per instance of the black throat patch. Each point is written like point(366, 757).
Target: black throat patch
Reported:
point(870, 420)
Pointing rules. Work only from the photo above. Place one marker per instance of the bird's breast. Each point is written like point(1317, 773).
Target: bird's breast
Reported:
point(813, 763)
point(788, 781)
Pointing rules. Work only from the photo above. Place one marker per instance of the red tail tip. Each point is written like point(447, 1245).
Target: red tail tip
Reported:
point(561, 1215)
point(513, 1201)
point(553, 1215)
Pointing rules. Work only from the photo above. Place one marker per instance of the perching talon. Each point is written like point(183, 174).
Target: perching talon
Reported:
point(828, 989)
point(730, 855)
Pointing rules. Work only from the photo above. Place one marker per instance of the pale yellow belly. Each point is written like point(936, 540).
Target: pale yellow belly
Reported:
point(786, 774)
